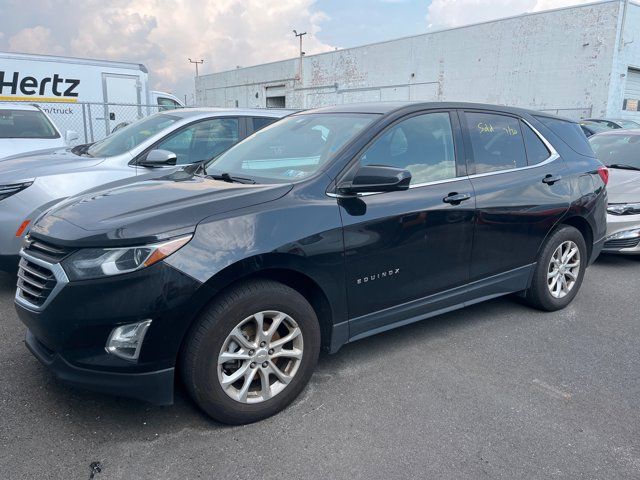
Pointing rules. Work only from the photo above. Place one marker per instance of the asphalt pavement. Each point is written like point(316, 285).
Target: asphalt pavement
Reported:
point(497, 390)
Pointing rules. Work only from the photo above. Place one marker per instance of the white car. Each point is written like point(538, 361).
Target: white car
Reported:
point(26, 128)
point(153, 146)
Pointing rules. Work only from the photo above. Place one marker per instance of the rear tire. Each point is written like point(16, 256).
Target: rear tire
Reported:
point(559, 271)
point(225, 344)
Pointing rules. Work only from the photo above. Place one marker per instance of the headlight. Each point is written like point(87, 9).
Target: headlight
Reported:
point(624, 209)
point(102, 262)
point(625, 235)
point(12, 189)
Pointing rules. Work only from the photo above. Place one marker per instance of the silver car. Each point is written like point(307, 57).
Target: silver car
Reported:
point(31, 184)
point(620, 151)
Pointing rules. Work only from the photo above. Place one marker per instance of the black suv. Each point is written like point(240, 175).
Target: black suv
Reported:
point(324, 228)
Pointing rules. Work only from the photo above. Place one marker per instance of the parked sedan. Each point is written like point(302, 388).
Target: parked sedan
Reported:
point(26, 128)
point(620, 151)
point(321, 229)
point(31, 184)
point(615, 123)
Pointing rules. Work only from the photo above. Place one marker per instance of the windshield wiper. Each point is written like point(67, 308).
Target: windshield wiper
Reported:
point(623, 166)
point(225, 177)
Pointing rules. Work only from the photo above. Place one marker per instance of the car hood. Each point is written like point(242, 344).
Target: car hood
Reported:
point(39, 164)
point(13, 147)
point(623, 186)
point(144, 211)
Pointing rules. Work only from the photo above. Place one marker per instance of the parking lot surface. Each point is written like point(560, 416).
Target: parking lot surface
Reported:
point(497, 390)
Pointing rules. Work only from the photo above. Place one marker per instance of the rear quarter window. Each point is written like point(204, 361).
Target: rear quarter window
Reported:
point(570, 133)
point(537, 152)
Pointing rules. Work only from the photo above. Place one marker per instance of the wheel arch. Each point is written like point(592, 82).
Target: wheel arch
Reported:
point(583, 226)
point(291, 272)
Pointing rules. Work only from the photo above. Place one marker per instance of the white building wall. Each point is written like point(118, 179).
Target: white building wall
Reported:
point(559, 61)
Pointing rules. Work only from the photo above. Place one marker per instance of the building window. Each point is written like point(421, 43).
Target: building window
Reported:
point(276, 102)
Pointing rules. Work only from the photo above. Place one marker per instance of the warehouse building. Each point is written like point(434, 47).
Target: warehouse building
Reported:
point(579, 62)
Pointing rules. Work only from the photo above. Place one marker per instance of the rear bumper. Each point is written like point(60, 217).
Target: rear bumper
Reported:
point(153, 387)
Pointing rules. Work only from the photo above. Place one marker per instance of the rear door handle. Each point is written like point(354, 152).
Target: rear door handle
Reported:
point(551, 179)
point(456, 198)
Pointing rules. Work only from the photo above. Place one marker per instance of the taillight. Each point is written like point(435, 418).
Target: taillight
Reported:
point(604, 174)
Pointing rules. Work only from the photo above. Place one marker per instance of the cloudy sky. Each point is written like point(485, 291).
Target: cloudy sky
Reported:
point(226, 33)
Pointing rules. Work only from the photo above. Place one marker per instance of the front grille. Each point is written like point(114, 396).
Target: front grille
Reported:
point(45, 251)
point(35, 282)
point(622, 243)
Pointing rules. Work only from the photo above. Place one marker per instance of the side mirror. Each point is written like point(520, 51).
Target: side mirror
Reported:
point(70, 136)
point(376, 179)
point(159, 158)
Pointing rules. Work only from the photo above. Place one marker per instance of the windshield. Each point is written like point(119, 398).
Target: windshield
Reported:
point(292, 149)
point(131, 136)
point(617, 149)
point(26, 124)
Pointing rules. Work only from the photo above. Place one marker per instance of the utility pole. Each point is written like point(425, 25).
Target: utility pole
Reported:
point(197, 62)
point(300, 35)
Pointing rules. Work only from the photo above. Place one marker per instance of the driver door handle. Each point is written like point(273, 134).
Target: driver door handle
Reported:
point(456, 198)
point(551, 179)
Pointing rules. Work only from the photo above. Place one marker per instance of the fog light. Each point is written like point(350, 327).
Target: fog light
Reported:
point(126, 341)
point(625, 235)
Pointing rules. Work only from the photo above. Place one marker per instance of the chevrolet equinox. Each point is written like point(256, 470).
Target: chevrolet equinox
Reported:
point(321, 229)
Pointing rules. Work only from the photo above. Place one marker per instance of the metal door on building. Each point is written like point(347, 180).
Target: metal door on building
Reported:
point(632, 91)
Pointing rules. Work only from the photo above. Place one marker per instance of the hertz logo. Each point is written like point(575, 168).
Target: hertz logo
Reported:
point(378, 276)
point(58, 86)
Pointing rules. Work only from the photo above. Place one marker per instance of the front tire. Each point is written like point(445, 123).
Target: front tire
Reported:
point(251, 352)
point(559, 271)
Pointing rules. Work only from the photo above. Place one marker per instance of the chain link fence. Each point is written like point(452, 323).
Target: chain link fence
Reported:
point(90, 120)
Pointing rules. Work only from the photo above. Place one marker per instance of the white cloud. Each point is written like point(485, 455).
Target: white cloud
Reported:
point(34, 40)
point(453, 13)
point(163, 34)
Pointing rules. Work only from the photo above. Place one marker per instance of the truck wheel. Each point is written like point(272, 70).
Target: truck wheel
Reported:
point(559, 270)
point(251, 352)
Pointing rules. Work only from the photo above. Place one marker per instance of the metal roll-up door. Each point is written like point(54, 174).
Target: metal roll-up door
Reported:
point(632, 91)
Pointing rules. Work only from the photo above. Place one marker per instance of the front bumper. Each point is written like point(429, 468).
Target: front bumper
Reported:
point(9, 263)
point(618, 239)
point(153, 387)
point(69, 333)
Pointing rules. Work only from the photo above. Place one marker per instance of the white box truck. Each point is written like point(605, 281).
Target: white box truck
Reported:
point(91, 97)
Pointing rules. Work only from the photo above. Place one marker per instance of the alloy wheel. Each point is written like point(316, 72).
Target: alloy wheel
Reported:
point(564, 269)
point(260, 357)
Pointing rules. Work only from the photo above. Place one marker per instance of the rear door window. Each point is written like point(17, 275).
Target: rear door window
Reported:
point(261, 122)
point(496, 142)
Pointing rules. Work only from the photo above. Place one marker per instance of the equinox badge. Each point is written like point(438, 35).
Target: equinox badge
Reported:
point(378, 276)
